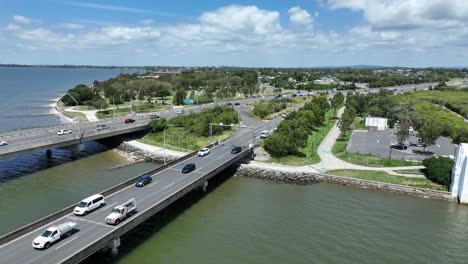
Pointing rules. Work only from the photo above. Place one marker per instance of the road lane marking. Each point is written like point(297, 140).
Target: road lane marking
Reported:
point(94, 222)
point(168, 186)
point(154, 184)
point(109, 206)
point(66, 243)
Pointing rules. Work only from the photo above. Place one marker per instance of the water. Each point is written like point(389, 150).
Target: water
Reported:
point(20, 85)
point(252, 221)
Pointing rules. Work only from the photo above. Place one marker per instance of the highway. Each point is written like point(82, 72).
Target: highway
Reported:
point(91, 228)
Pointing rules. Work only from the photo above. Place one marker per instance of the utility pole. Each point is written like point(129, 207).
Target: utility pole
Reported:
point(78, 109)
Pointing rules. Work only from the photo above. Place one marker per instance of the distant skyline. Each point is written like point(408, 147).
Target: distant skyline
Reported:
point(275, 33)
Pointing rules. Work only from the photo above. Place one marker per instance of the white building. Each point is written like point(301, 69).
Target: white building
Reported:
point(379, 123)
point(459, 183)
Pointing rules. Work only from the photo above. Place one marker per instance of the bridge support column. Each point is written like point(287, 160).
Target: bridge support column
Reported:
point(49, 153)
point(113, 246)
point(205, 186)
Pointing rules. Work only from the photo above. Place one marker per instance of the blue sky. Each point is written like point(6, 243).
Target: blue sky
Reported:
point(274, 33)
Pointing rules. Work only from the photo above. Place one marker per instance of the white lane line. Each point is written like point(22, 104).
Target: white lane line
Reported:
point(112, 204)
point(154, 184)
point(438, 145)
point(168, 186)
point(61, 245)
point(93, 222)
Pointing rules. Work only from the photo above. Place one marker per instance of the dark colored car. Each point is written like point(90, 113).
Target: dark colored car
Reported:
point(399, 146)
point(188, 168)
point(155, 116)
point(293, 95)
point(129, 120)
point(228, 103)
point(236, 150)
point(237, 103)
point(143, 180)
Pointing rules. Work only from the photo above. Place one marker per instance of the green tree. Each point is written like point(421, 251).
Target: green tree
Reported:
point(179, 96)
point(347, 120)
point(429, 133)
point(337, 101)
point(100, 104)
point(438, 169)
point(157, 125)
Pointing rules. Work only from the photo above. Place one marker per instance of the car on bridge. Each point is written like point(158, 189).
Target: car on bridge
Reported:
point(3, 143)
point(89, 204)
point(143, 180)
point(203, 152)
point(62, 132)
point(188, 168)
point(154, 116)
point(129, 120)
point(102, 127)
point(53, 234)
point(236, 150)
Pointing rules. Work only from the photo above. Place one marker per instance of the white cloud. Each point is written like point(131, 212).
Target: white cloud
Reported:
point(70, 26)
point(13, 27)
point(22, 19)
point(146, 22)
point(300, 17)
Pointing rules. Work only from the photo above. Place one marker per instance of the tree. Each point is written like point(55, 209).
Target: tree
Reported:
point(438, 169)
point(100, 104)
point(179, 96)
point(347, 119)
point(163, 93)
point(429, 133)
point(157, 125)
point(337, 101)
point(403, 130)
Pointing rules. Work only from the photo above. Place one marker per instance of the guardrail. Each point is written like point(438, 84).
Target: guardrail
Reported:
point(57, 215)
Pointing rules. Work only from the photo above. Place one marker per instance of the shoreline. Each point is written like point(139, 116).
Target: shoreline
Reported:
point(135, 151)
point(57, 111)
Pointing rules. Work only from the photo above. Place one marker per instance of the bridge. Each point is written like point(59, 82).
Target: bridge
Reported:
point(92, 234)
point(26, 141)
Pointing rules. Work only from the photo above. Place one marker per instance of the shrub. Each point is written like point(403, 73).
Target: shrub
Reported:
point(438, 169)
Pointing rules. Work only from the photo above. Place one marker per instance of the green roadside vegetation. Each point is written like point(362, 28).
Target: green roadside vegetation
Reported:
point(69, 114)
point(192, 131)
point(137, 108)
point(381, 176)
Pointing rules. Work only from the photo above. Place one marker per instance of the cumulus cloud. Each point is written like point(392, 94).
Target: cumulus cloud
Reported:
point(70, 26)
point(22, 19)
point(146, 22)
point(299, 16)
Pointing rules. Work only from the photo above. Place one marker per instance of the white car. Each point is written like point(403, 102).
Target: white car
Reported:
point(64, 132)
point(203, 152)
point(3, 143)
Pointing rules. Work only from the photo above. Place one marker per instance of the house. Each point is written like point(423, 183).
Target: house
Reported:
point(376, 123)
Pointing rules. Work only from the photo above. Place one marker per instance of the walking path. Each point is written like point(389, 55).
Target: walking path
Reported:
point(90, 114)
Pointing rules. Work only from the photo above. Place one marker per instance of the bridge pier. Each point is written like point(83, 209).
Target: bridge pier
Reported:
point(113, 246)
point(49, 153)
point(205, 186)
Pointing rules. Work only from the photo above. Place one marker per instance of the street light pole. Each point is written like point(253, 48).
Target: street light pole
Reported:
point(79, 119)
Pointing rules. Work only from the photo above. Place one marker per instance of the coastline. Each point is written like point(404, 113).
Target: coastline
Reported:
point(57, 111)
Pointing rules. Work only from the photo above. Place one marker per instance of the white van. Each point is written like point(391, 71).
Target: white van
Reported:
point(89, 204)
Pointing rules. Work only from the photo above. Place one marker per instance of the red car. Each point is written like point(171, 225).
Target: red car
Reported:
point(129, 120)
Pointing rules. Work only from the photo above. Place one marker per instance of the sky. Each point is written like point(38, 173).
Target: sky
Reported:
point(262, 33)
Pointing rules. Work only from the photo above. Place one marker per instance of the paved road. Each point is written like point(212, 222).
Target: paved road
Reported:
point(92, 227)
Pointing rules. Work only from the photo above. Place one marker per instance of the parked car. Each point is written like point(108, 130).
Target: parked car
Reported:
point(188, 168)
point(143, 180)
point(399, 146)
point(154, 116)
point(129, 120)
point(64, 132)
point(102, 127)
point(179, 112)
point(236, 150)
point(203, 152)
point(89, 204)
point(3, 143)
point(417, 144)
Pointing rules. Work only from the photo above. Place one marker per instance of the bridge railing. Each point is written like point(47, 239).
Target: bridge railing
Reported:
point(59, 214)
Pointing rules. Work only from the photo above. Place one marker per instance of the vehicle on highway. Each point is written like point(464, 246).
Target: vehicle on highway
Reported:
point(129, 120)
point(401, 146)
point(237, 103)
point(228, 103)
point(179, 112)
point(122, 212)
point(188, 168)
point(3, 143)
point(236, 150)
point(143, 180)
point(64, 132)
point(89, 204)
point(203, 152)
point(264, 134)
point(417, 144)
point(53, 234)
point(284, 115)
point(154, 116)
point(102, 127)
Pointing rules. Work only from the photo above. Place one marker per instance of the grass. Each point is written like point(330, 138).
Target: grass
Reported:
point(75, 114)
point(381, 176)
point(309, 152)
point(339, 149)
point(110, 113)
point(360, 123)
point(178, 139)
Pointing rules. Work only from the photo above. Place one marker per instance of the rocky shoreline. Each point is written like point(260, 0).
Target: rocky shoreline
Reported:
point(246, 170)
point(135, 154)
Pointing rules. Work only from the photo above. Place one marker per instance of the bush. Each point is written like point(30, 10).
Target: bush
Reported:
point(438, 169)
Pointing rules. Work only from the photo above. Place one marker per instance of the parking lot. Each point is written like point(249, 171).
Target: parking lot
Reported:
point(377, 143)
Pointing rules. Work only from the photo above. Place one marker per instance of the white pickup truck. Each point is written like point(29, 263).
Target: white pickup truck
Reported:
point(53, 234)
point(121, 212)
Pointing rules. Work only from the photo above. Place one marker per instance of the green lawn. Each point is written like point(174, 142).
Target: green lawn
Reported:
point(110, 113)
point(381, 176)
point(339, 148)
point(178, 139)
point(75, 114)
point(309, 152)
